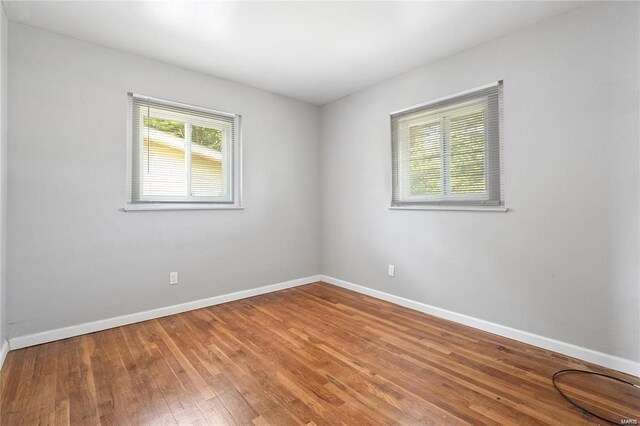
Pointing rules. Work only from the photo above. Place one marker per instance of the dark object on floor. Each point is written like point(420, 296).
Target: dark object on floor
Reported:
point(561, 372)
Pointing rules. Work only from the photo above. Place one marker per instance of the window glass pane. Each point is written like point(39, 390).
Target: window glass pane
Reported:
point(171, 127)
point(467, 139)
point(425, 159)
point(206, 162)
point(163, 158)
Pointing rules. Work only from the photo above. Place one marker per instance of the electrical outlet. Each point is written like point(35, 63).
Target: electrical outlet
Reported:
point(173, 278)
point(392, 271)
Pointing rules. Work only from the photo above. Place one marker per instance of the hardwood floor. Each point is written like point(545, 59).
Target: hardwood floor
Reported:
point(314, 354)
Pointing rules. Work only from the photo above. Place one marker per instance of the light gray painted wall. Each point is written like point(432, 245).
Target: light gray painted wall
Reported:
point(74, 256)
point(3, 172)
point(564, 262)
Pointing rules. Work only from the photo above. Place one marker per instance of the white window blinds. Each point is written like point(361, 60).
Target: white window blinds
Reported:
point(449, 152)
point(181, 154)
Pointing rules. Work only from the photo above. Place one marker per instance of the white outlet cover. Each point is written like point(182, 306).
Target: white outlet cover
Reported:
point(173, 278)
point(392, 270)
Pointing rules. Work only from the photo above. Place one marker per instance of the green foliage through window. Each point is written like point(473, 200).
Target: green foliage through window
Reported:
point(466, 134)
point(425, 159)
point(175, 128)
point(211, 138)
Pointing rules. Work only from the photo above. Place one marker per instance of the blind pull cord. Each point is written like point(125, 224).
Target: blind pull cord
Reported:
point(148, 137)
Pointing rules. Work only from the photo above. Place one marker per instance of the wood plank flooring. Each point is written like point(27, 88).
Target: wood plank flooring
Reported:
point(314, 354)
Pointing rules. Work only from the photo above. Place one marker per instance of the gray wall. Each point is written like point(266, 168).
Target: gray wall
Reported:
point(74, 256)
point(3, 172)
point(564, 262)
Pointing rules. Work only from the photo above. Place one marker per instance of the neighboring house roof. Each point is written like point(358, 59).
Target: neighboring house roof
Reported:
point(175, 142)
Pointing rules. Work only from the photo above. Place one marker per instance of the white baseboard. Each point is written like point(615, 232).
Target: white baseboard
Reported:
point(4, 350)
point(595, 357)
point(91, 327)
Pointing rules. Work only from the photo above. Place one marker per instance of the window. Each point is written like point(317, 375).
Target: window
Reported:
point(181, 156)
point(448, 152)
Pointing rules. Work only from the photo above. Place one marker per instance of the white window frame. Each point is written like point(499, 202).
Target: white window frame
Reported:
point(228, 200)
point(446, 201)
point(443, 119)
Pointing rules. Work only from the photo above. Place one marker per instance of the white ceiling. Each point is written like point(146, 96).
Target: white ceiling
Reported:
point(313, 51)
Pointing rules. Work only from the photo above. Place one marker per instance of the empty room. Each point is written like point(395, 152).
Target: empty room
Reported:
point(308, 213)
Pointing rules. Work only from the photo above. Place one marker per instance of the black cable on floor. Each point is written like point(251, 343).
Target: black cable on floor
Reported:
point(558, 373)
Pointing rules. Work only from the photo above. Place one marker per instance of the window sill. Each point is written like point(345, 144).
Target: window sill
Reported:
point(501, 209)
point(180, 206)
